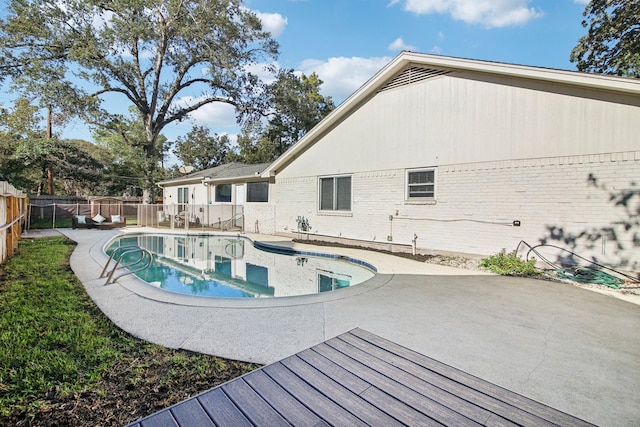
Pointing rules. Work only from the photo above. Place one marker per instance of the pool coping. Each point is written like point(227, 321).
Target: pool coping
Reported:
point(148, 291)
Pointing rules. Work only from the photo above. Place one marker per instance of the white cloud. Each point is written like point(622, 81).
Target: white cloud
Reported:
point(343, 76)
point(399, 44)
point(436, 50)
point(490, 13)
point(581, 1)
point(272, 22)
point(264, 71)
point(218, 114)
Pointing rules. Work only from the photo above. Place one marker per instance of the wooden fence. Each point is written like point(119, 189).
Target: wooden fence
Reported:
point(12, 208)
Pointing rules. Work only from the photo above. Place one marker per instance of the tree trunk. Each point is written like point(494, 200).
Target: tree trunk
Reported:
point(49, 167)
point(150, 169)
point(49, 180)
point(147, 196)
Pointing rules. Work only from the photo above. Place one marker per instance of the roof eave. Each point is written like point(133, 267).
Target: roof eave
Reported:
point(243, 178)
point(596, 81)
point(184, 180)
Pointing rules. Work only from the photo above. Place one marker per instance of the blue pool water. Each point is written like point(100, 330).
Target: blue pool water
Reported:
point(230, 267)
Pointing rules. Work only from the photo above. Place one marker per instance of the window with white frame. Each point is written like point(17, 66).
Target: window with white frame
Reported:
point(421, 184)
point(335, 193)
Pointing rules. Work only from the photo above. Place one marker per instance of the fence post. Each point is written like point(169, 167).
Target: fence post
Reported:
point(54, 216)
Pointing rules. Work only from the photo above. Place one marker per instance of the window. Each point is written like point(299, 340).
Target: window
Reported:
point(421, 184)
point(330, 282)
point(223, 193)
point(223, 266)
point(258, 191)
point(258, 275)
point(335, 193)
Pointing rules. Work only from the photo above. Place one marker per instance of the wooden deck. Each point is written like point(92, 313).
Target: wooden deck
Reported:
point(359, 379)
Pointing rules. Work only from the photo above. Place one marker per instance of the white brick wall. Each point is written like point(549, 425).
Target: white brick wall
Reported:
point(477, 203)
point(259, 218)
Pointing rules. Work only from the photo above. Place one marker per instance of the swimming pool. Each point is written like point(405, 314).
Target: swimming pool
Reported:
point(235, 267)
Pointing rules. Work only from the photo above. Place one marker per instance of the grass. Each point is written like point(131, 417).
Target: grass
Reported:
point(63, 362)
point(47, 223)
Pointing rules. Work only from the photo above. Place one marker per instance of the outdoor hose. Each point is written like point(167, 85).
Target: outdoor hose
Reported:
point(593, 274)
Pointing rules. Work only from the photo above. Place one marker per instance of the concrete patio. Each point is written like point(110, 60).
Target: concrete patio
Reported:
point(572, 349)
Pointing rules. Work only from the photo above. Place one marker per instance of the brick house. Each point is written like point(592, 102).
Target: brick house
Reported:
point(234, 194)
point(466, 156)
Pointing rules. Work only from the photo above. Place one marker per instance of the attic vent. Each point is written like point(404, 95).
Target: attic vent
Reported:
point(413, 75)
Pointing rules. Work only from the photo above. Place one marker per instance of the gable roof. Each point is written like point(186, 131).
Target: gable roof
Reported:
point(411, 67)
point(227, 172)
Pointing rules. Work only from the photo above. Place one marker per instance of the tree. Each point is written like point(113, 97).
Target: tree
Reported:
point(167, 58)
point(123, 151)
point(28, 156)
point(202, 150)
point(253, 145)
point(69, 162)
point(296, 106)
point(612, 43)
point(21, 122)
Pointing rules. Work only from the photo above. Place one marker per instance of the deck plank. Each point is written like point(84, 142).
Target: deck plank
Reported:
point(359, 378)
point(191, 413)
point(466, 400)
point(287, 406)
point(221, 409)
point(388, 404)
point(367, 412)
point(348, 379)
point(322, 406)
point(502, 394)
point(253, 406)
point(426, 405)
point(160, 419)
point(387, 367)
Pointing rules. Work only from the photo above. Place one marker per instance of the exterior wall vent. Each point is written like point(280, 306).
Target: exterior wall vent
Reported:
point(413, 75)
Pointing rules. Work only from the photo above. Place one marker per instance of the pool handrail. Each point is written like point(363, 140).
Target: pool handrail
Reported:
point(113, 254)
point(124, 250)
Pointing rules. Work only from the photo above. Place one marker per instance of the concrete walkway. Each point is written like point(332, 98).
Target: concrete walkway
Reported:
point(570, 348)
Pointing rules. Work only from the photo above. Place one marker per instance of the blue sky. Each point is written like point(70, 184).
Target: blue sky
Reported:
point(347, 41)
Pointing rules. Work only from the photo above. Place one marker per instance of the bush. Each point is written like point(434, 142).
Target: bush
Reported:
point(510, 264)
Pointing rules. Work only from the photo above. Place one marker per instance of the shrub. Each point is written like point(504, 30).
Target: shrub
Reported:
point(509, 264)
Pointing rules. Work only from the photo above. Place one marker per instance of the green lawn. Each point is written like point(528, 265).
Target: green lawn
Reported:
point(63, 362)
